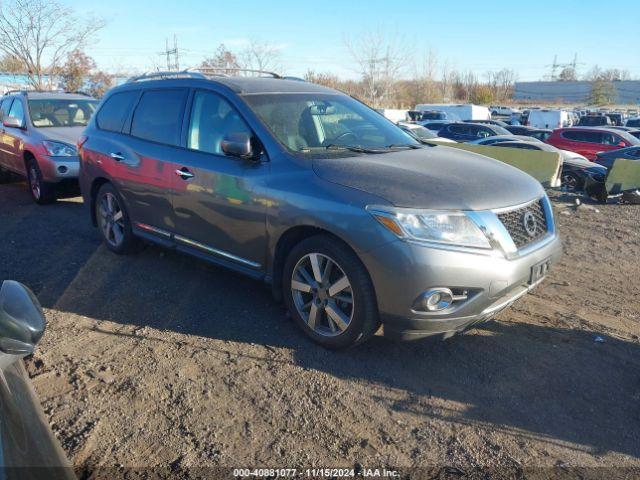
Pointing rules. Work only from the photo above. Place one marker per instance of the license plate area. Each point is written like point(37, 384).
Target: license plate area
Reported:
point(539, 271)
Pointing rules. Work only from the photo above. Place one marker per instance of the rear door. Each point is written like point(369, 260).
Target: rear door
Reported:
point(143, 164)
point(218, 205)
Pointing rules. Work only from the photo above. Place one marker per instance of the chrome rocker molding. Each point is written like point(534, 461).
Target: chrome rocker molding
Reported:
point(192, 243)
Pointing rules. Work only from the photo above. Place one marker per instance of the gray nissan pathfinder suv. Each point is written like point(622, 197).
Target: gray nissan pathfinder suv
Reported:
point(352, 221)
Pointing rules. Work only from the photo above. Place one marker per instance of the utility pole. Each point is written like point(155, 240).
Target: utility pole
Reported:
point(554, 68)
point(172, 55)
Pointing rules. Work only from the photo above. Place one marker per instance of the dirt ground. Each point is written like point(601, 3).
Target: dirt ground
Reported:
point(160, 360)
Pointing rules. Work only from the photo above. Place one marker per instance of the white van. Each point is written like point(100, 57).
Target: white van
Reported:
point(549, 119)
point(394, 114)
point(458, 112)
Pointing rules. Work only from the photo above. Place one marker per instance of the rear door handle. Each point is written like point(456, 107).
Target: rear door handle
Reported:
point(117, 156)
point(184, 173)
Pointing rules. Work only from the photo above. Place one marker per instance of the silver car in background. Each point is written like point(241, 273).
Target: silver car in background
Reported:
point(38, 138)
point(353, 222)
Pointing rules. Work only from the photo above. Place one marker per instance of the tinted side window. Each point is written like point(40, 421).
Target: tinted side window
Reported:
point(576, 136)
point(212, 119)
point(592, 137)
point(458, 129)
point(115, 111)
point(582, 136)
point(17, 110)
point(4, 106)
point(158, 116)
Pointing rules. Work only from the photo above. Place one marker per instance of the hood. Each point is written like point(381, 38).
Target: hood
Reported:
point(68, 135)
point(433, 177)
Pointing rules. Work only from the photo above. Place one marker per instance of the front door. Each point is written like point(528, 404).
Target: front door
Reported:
point(218, 200)
point(12, 139)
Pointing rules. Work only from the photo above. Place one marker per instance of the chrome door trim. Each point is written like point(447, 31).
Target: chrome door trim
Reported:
point(215, 251)
point(198, 245)
point(156, 230)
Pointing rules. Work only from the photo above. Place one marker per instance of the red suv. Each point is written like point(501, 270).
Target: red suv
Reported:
point(590, 141)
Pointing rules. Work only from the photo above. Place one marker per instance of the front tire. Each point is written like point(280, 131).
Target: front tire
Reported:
point(329, 293)
point(42, 193)
point(113, 221)
point(571, 182)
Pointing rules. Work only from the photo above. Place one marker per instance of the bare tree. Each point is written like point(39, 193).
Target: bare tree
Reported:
point(259, 55)
point(568, 74)
point(223, 59)
point(380, 61)
point(40, 34)
point(11, 64)
point(75, 70)
point(502, 83)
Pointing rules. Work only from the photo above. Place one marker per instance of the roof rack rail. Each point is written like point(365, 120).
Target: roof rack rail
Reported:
point(211, 70)
point(79, 92)
point(164, 76)
point(22, 92)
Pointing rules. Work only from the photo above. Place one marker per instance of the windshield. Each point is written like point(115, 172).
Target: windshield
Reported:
point(501, 130)
point(630, 139)
point(312, 122)
point(61, 112)
point(422, 133)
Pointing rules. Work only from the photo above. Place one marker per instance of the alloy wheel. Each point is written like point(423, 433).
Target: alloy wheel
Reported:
point(570, 182)
point(322, 294)
point(34, 182)
point(111, 219)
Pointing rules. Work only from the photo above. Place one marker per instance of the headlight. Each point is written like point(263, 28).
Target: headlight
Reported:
point(58, 149)
point(446, 227)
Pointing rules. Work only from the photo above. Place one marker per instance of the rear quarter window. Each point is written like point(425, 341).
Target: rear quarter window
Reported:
point(115, 111)
point(158, 116)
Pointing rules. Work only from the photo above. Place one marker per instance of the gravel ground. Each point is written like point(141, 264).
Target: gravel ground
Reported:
point(158, 360)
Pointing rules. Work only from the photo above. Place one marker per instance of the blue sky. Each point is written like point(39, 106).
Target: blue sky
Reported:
point(468, 35)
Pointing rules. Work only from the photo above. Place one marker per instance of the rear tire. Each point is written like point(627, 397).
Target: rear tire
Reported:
point(42, 192)
point(329, 293)
point(113, 221)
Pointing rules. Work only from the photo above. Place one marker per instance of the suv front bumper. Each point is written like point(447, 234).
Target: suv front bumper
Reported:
point(402, 271)
point(57, 169)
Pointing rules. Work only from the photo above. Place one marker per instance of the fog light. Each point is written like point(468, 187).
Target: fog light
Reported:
point(62, 169)
point(437, 299)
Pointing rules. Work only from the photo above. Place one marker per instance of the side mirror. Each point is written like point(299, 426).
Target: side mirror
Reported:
point(12, 122)
point(22, 321)
point(622, 144)
point(237, 145)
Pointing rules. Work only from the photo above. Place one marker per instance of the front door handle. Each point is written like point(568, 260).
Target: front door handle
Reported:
point(117, 156)
point(184, 173)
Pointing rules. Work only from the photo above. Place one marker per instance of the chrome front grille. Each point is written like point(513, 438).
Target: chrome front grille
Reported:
point(526, 225)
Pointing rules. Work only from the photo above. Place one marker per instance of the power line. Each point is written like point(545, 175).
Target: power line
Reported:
point(172, 55)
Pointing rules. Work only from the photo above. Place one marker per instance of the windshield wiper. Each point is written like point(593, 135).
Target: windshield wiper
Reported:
point(353, 148)
point(412, 146)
